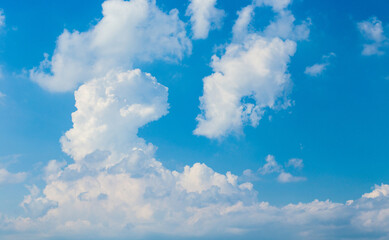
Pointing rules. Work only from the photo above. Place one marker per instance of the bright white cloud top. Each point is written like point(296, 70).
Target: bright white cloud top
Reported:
point(204, 16)
point(129, 32)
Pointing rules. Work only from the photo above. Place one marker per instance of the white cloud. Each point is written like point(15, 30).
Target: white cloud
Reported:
point(109, 112)
point(2, 18)
point(379, 191)
point(115, 188)
point(296, 163)
point(130, 31)
point(277, 5)
point(2, 95)
point(252, 75)
point(249, 78)
point(318, 68)
point(372, 31)
point(315, 69)
point(204, 16)
point(240, 28)
point(271, 166)
point(7, 177)
point(285, 177)
point(284, 27)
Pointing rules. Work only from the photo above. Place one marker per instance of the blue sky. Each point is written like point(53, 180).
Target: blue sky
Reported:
point(329, 113)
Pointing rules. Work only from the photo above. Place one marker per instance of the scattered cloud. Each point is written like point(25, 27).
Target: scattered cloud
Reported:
point(285, 177)
point(240, 28)
point(118, 189)
point(115, 188)
point(373, 32)
point(247, 79)
point(7, 177)
point(296, 163)
point(2, 18)
point(271, 166)
point(318, 68)
point(130, 31)
point(204, 16)
point(252, 74)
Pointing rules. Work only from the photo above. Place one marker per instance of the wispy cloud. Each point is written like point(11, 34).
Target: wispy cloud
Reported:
point(318, 68)
point(8, 178)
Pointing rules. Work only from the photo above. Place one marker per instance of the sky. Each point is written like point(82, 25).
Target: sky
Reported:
point(195, 119)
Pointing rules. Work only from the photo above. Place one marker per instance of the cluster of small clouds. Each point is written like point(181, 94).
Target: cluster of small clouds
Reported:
point(116, 188)
point(372, 30)
point(318, 68)
point(273, 167)
point(252, 75)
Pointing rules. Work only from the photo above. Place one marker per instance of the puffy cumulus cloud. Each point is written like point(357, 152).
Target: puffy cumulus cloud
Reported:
point(372, 31)
point(379, 191)
point(252, 75)
point(109, 112)
point(7, 177)
point(116, 187)
point(204, 16)
point(317, 68)
point(129, 31)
